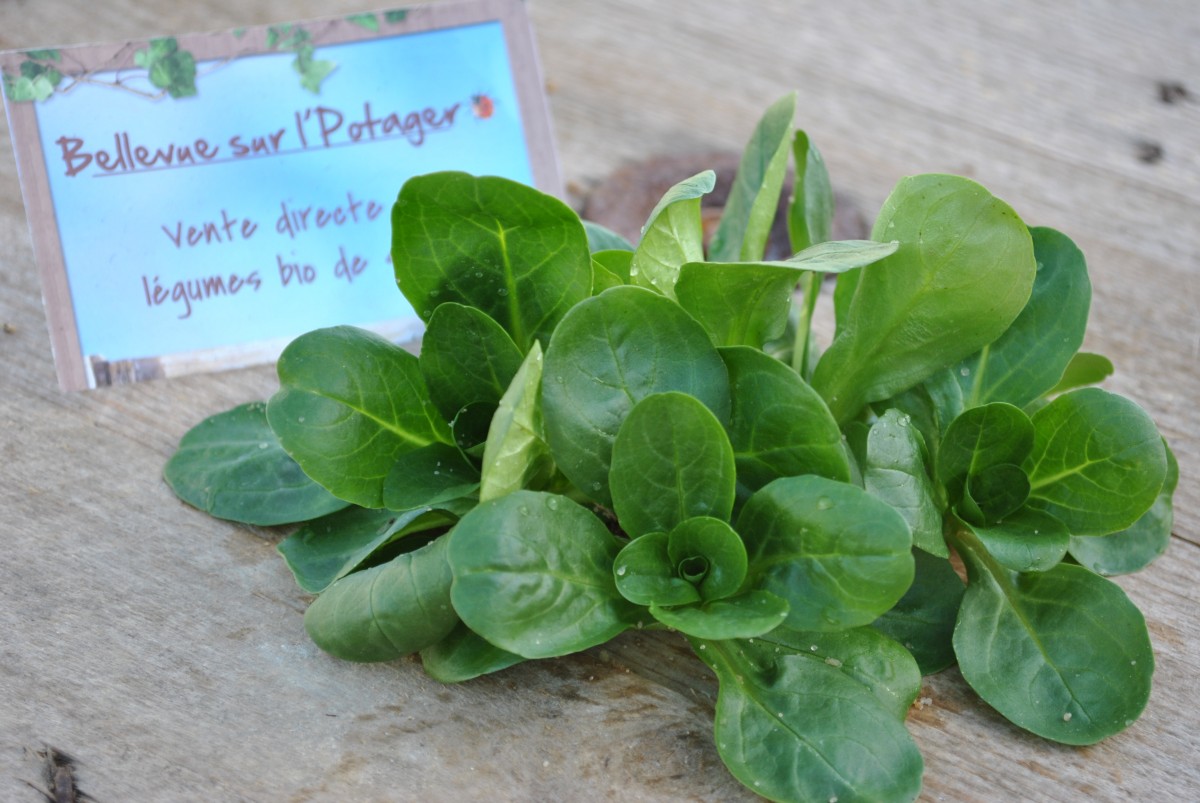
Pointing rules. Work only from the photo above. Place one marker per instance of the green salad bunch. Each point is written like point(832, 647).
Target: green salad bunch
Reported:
point(600, 436)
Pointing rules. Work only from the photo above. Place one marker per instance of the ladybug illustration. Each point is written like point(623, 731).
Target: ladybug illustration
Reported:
point(482, 106)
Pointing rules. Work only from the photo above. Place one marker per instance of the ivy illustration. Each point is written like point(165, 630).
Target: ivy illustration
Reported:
point(37, 79)
point(170, 68)
point(293, 38)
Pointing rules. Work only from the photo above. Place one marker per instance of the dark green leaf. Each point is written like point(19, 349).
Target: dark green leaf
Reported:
point(980, 438)
point(368, 21)
point(672, 236)
point(671, 461)
point(750, 209)
point(779, 426)
point(609, 353)
point(1061, 653)
point(349, 405)
point(866, 655)
point(718, 547)
point(1026, 541)
point(1028, 359)
point(995, 492)
point(331, 547)
point(533, 575)
point(923, 620)
point(839, 556)
point(800, 729)
point(395, 17)
point(601, 238)
point(231, 466)
point(516, 455)
point(963, 273)
point(428, 476)
point(1098, 461)
point(644, 573)
point(517, 254)
point(386, 611)
point(466, 357)
point(464, 655)
point(746, 615)
point(895, 472)
point(1138, 545)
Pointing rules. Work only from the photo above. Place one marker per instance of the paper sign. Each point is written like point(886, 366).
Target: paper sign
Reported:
point(197, 202)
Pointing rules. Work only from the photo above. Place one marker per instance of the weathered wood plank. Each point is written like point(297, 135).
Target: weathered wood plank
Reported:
point(164, 651)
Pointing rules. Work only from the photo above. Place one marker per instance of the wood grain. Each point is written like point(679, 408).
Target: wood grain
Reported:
point(164, 650)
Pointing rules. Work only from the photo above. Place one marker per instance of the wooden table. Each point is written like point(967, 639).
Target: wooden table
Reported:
point(164, 650)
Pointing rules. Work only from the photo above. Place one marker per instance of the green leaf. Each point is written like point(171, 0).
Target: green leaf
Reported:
point(739, 305)
point(1061, 653)
point(963, 273)
point(602, 238)
point(895, 472)
point(313, 72)
point(746, 615)
point(466, 357)
point(645, 574)
point(779, 426)
point(1026, 541)
point(176, 74)
point(395, 17)
point(533, 575)
point(673, 235)
point(1098, 462)
point(464, 655)
point(1084, 369)
point(1029, 358)
point(995, 493)
point(862, 653)
point(810, 213)
point(980, 438)
point(516, 254)
point(839, 557)
point(713, 546)
point(750, 209)
point(232, 466)
point(923, 620)
point(387, 611)
point(617, 263)
point(428, 476)
point(368, 21)
point(671, 461)
point(350, 403)
point(331, 547)
point(801, 729)
point(1137, 546)
point(44, 55)
point(610, 352)
point(516, 455)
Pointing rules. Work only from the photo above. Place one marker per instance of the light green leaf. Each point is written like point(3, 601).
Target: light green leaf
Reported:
point(779, 426)
point(746, 615)
point(810, 214)
point(1084, 369)
point(923, 620)
point(331, 547)
point(1028, 359)
point(739, 305)
point(750, 209)
point(516, 254)
point(602, 238)
point(466, 357)
point(963, 273)
point(349, 404)
point(1061, 653)
point(801, 729)
point(387, 611)
point(673, 235)
point(895, 472)
point(464, 655)
point(1098, 462)
point(516, 455)
point(1137, 546)
point(232, 466)
point(533, 575)
point(609, 353)
point(671, 461)
point(840, 557)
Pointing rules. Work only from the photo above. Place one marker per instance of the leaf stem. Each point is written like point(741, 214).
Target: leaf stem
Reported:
point(810, 284)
